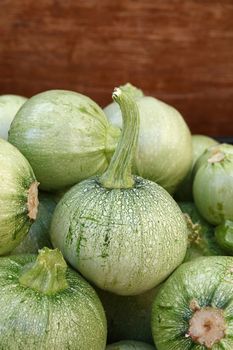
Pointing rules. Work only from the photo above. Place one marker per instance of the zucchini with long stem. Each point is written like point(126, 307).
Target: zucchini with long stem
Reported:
point(122, 232)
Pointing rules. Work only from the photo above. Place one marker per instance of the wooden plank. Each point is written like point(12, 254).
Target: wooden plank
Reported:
point(178, 51)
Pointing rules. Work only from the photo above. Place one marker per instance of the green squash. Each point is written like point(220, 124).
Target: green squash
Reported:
point(9, 106)
point(130, 345)
point(200, 143)
point(38, 236)
point(18, 197)
point(65, 136)
point(194, 307)
point(128, 317)
point(45, 305)
point(202, 241)
point(124, 233)
point(213, 184)
point(164, 152)
point(224, 236)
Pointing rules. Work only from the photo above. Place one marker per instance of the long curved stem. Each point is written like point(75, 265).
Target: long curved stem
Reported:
point(132, 90)
point(119, 172)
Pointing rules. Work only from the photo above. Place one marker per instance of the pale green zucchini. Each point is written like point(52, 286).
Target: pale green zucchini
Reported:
point(122, 232)
point(45, 305)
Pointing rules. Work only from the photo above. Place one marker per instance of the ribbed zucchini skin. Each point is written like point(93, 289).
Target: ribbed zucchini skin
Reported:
point(124, 240)
point(208, 281)
point(71, 319)
point(16, 177)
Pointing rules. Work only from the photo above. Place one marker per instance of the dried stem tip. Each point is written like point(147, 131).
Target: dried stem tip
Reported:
point(33, 201)
point(207, 326)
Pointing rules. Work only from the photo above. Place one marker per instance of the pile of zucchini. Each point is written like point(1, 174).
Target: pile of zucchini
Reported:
point(116, 226)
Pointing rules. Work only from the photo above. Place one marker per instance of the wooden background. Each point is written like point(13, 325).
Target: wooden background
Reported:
point(180, 51)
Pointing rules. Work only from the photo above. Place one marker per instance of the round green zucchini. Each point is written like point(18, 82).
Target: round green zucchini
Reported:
point(124, 233)
point(193, 309)
point(213, 184)
point(65, 136)
point(45, 305)
point(18, 197)
point(164, 152)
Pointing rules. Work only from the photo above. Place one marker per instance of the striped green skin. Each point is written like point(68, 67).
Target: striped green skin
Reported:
point(65, 136)
point(126, 241)
point(164, 152)
point(9, 106)
point(130, 345)
point(38, 236)
point(16, 177)
point(71, 319)
point(209, 281)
